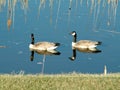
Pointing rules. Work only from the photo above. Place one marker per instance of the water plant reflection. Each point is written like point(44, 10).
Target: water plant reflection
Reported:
point(95, 7)
point(42, 4)
point(9, 20)
point(2, 3)
point(24, 4)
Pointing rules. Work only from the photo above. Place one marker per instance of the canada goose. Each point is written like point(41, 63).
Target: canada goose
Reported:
point(46, 48)
point(84, 44)
point(42, 46)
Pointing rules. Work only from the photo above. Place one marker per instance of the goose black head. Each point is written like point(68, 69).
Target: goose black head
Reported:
point(73, 33)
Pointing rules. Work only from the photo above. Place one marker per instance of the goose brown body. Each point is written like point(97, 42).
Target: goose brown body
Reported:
point(46, 46)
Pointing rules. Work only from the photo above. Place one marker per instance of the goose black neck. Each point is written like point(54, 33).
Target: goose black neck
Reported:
point(75, 38)
point(32, 38)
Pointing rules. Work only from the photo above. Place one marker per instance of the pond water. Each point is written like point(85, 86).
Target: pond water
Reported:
point(52, 21)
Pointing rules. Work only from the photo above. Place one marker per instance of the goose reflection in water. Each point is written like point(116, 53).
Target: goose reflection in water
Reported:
point(43, 48)
point(52, 52)
point(44, 53)
point(73, 57)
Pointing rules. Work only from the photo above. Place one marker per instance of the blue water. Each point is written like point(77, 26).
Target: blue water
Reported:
point(55, 26)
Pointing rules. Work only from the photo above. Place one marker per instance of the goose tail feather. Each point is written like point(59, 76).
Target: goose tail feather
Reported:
point(57, 44)
point(97, 51)
point(99, 43)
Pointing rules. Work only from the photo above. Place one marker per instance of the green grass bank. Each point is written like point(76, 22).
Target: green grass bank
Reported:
point(72, 81)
